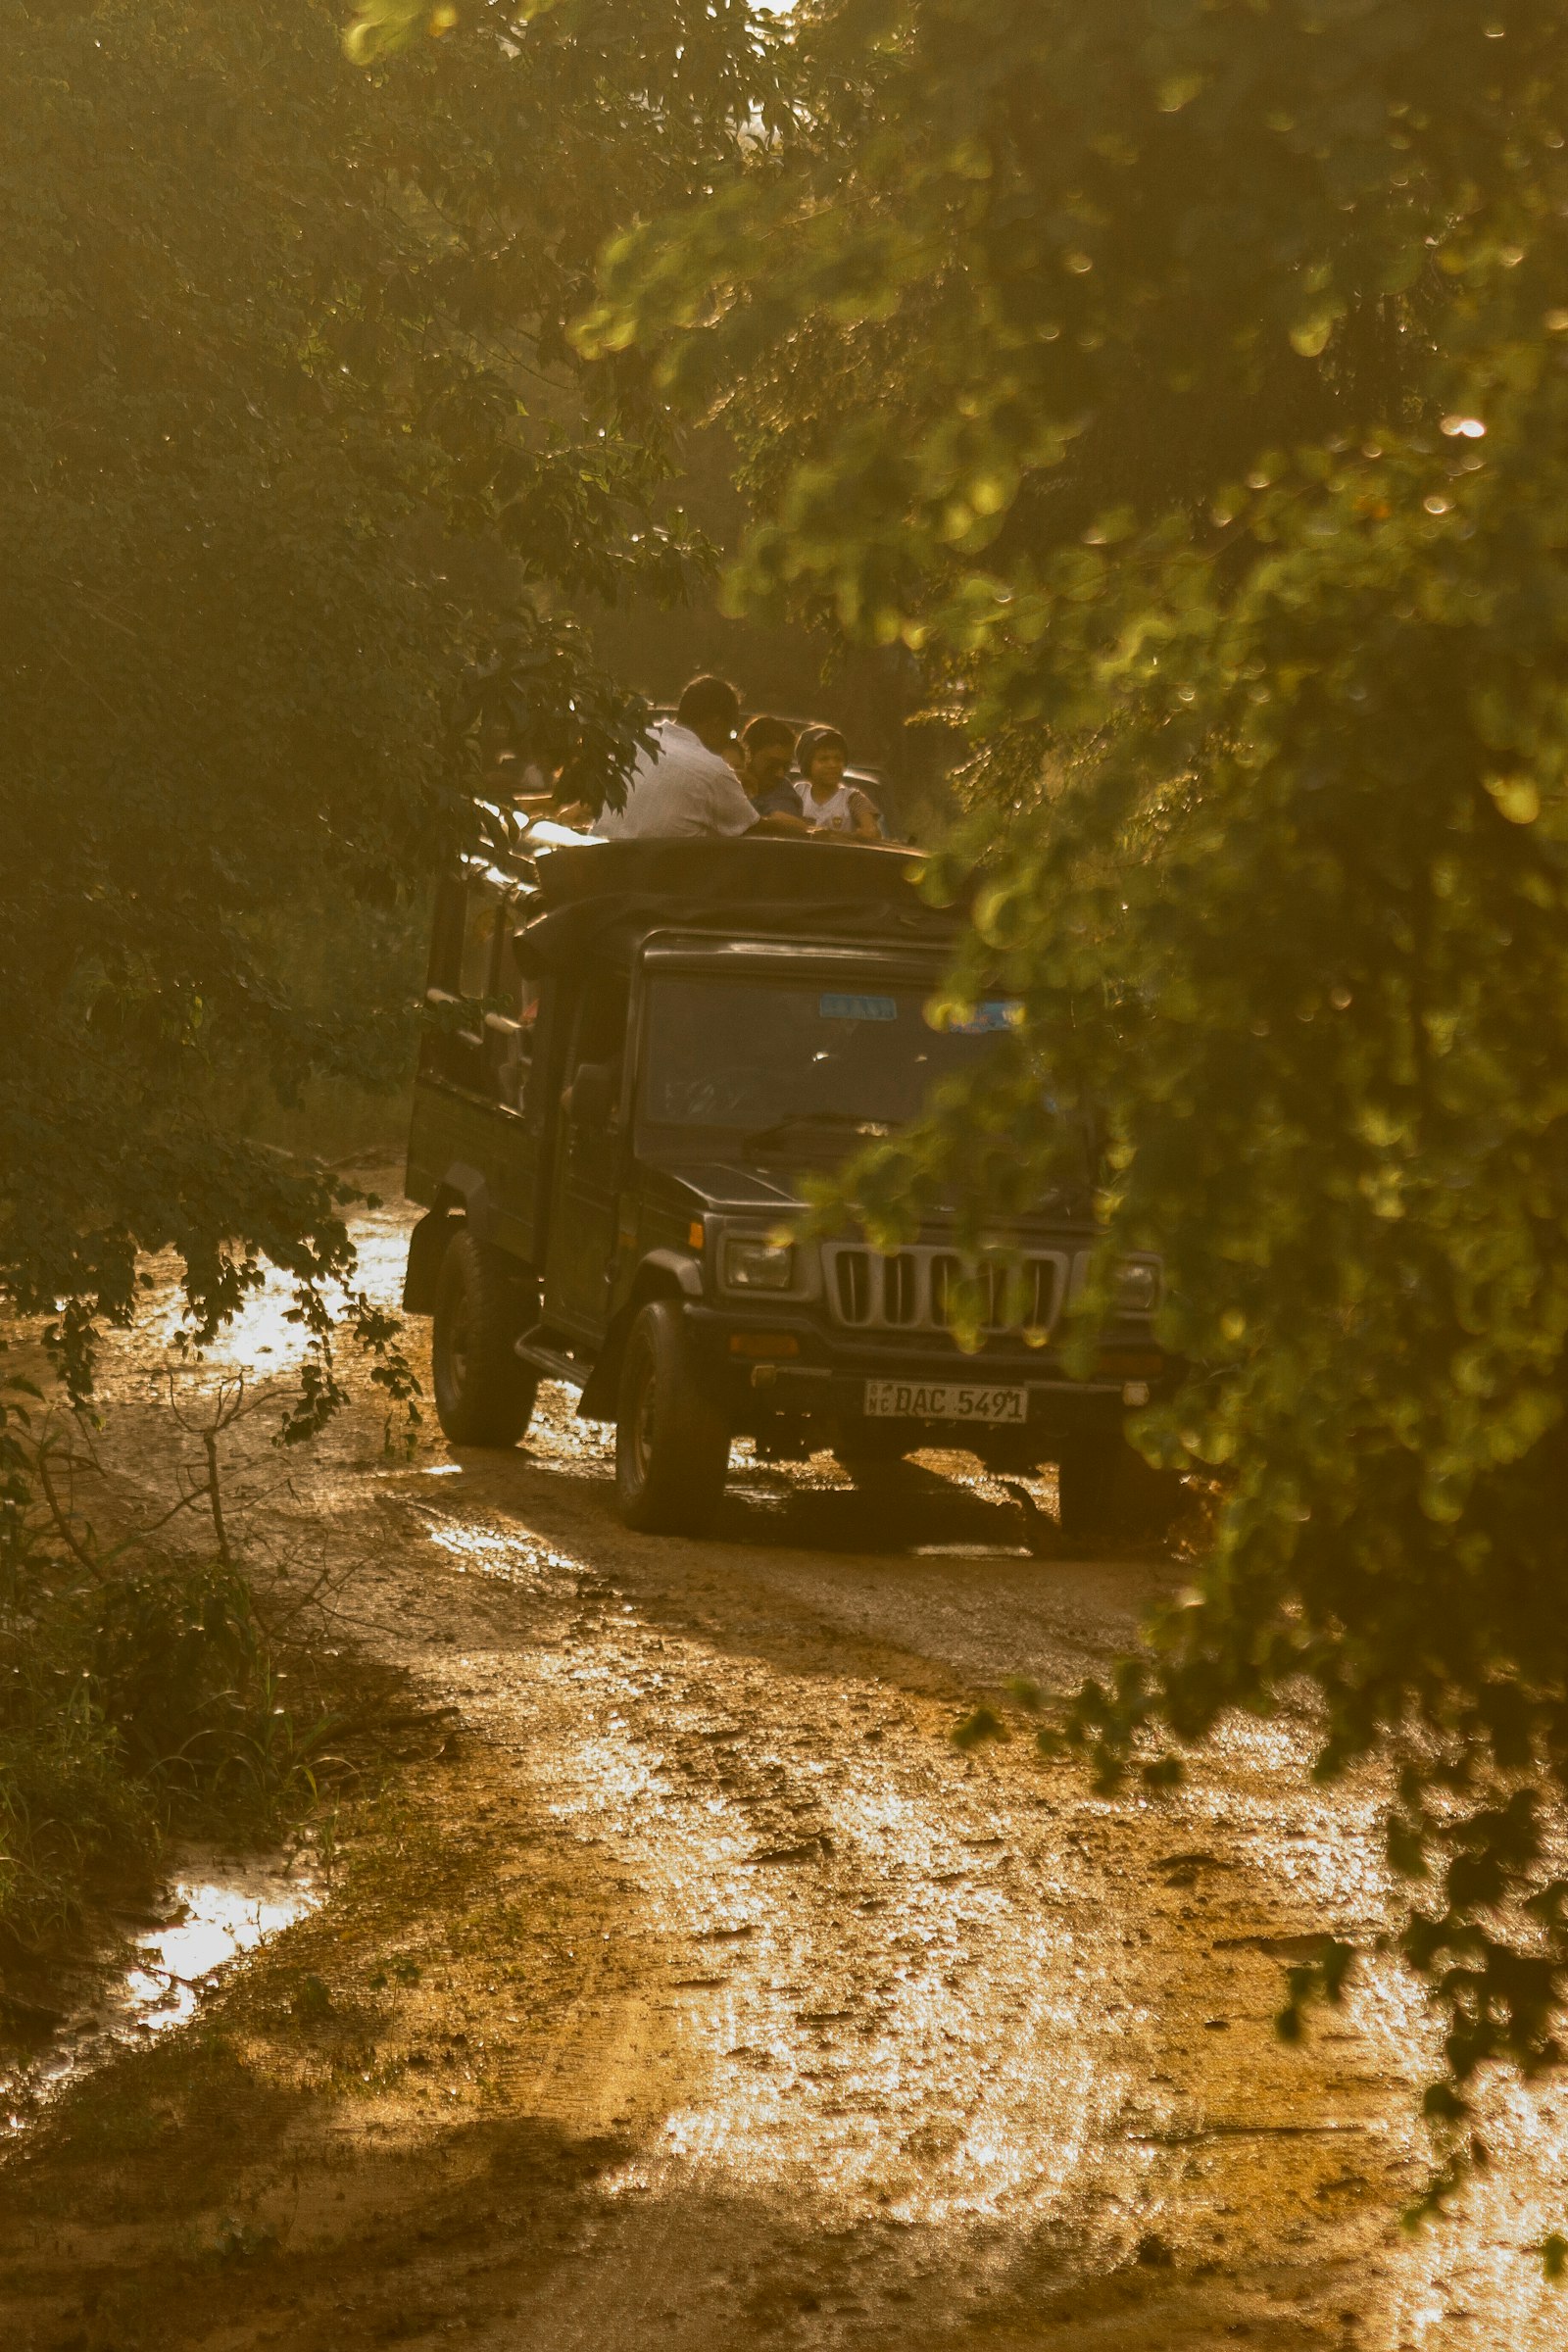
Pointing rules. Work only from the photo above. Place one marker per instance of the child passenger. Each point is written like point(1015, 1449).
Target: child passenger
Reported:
point(828, 803)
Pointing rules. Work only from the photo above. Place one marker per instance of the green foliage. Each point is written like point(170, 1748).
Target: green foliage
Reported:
point(290, 440)
point(541, 699)
point(1189, 388)
point(288, 431)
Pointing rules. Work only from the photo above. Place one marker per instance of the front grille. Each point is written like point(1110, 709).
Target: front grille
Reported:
point(921, 1288)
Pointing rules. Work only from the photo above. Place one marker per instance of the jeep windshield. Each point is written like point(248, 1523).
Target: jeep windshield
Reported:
point(787, 1065)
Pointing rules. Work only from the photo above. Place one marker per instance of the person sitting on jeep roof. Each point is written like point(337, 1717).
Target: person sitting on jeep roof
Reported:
point(687, 789)
point(768, 745)
point(828, 803)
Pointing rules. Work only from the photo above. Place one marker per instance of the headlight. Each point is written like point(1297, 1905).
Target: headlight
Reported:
point(759, 1266)
point(1136, 1290)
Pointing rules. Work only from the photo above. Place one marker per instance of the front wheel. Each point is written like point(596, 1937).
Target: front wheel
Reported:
point(483, 1395)
point(672, 1436)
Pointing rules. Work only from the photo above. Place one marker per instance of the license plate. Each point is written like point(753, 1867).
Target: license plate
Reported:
point(944, 1401)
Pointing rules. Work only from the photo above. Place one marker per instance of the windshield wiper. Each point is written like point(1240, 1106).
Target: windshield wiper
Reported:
point(872, 1129)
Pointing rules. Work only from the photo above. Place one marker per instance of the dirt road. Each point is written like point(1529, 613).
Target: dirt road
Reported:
point(704, 1997)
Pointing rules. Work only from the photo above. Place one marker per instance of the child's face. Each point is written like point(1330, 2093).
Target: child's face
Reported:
point(827, 769)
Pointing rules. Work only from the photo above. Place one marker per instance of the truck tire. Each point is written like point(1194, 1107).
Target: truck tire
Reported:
point(1104, 1488)
point(483, 1395)
point(672, 1436)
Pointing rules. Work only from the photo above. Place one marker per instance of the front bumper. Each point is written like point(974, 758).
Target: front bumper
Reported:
point(825, 1374)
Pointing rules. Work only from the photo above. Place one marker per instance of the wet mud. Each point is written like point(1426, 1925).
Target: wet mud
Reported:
point(704, 1997)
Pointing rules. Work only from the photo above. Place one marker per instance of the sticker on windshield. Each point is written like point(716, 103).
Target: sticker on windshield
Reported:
point(1003, 1013)
point(857, 1008)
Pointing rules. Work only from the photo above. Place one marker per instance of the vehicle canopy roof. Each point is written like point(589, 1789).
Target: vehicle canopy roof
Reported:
point(600, 899)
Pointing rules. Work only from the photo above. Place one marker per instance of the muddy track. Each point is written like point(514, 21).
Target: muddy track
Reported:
point(704, 1997)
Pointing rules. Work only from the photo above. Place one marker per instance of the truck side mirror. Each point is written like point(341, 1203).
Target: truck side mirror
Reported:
point(592, 1096)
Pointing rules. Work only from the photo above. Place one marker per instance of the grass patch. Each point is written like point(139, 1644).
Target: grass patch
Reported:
point(146, 1702)
point(142, 1694)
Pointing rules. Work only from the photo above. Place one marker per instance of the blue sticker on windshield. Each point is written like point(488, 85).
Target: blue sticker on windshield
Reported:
point(1003, 1013)
point(857, 1008)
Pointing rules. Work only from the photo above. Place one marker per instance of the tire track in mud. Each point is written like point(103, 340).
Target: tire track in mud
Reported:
point(909, 2055)
point(835, 2061)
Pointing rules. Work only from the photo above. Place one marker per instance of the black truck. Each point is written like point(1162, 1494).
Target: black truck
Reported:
point(634, 1052)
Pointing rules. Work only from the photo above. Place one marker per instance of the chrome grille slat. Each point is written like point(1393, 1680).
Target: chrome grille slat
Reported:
point(851, 1287)
point(901, 1288)
point(913, 1289)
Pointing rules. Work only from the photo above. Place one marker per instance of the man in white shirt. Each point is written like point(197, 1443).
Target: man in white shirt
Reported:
point(687, 790)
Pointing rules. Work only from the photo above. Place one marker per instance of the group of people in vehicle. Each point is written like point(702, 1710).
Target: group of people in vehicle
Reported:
point(707, 779)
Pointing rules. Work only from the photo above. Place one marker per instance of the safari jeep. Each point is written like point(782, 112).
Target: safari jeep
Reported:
point(635, 1050)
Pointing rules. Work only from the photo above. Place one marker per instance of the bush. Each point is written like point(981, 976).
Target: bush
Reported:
point(140, 1695)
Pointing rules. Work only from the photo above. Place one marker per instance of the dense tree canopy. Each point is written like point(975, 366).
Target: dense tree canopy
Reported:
point(288, 425)
point(1187, 382)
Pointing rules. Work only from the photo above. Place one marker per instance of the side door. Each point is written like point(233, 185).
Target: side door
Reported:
point(590, 1154)
point(476, 1054)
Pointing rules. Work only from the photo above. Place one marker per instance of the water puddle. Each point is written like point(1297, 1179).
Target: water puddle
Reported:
point(972, 1551)
point(209, 1912)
